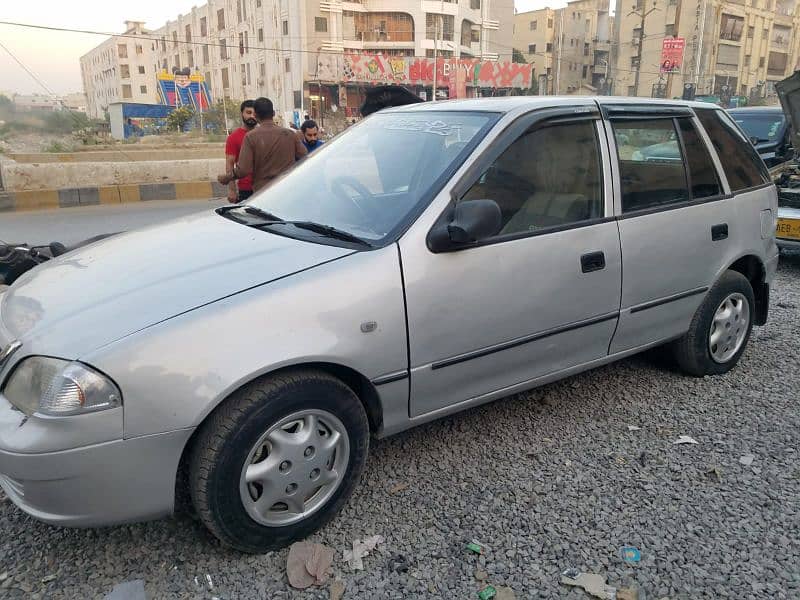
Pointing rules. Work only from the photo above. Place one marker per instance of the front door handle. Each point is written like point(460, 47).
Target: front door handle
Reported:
point(593, 261)
point(719, 232)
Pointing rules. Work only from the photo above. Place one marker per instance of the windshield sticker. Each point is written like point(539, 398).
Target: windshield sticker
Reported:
point(434, 127)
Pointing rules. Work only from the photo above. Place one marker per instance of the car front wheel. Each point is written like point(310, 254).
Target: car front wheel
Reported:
point(720, 328)
point(278, 460)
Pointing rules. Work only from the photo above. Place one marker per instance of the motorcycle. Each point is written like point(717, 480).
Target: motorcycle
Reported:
point(16, 259)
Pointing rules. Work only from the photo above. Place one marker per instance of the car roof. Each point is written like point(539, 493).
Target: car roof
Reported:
point(509, 103)
point(756, 109)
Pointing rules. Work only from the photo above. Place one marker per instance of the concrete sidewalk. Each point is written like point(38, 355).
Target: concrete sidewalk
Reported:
point(109, 194)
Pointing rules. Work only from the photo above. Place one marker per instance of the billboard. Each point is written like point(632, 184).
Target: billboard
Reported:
point(672, 54)
point(456, 74)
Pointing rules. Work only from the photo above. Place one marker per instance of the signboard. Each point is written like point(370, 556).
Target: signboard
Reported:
point(672, 54)
point(411, 70)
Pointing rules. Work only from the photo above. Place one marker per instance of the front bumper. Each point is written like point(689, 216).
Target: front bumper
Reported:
point(103, 484)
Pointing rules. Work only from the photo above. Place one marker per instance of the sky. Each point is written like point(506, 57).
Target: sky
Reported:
point(54, 56)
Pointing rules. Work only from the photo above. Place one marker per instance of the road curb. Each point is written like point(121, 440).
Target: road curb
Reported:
point(109, 194)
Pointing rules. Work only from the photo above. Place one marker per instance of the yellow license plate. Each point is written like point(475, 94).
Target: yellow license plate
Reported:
point(788, 228)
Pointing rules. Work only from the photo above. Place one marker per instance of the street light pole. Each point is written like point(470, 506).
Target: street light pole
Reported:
point(643, 15)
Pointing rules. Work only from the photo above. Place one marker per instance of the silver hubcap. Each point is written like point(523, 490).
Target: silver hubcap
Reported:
point(729, 327)
point(294, 468)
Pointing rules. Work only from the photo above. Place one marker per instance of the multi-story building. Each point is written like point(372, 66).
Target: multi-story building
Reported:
point(569, 47)
point(535, 37)
point(119, 70)
point(297, 52)
point(732, 47)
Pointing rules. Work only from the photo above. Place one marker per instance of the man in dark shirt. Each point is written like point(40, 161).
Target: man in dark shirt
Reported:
point(311, 135)
point(267, 151)
point(233, 147)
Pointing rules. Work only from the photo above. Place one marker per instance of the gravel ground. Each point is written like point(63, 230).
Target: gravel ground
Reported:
point(547, 480)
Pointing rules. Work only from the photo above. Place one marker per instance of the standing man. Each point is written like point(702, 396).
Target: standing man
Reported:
point(311, 136)
point(233, 146)
point(267, 151)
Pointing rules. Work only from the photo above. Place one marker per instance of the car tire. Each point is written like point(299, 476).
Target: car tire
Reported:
point(302, 410)
point(725, 317)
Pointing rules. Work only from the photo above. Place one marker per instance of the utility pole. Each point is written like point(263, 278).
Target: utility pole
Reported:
point(643, 16)
point(439, 29)
point(560, 44)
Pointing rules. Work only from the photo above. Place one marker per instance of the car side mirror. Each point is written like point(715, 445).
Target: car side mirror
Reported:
point(469, 222)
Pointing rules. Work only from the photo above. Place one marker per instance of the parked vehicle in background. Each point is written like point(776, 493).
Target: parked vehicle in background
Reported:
point(788, 228)
point(369, 290)
point(768, 130)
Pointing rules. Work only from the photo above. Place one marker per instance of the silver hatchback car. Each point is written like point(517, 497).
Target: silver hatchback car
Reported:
point(430, 259)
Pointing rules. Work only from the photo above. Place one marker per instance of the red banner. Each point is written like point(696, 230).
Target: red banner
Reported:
point(672, 54)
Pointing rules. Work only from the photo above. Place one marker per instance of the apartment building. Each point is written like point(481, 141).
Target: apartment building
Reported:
point(119, 70)
point(732, 47)
point(535, 37)
point(569, 47)
point(306, 55)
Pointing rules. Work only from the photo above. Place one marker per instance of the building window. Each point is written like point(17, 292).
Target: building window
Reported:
point(221, 19)
point(262, 71)
point(189, 58)
point(139, 49)
point(258, 3)
point(285, 28)
point(635, 62)
point(177, 60)
point(174, 39)
point(244, 75)
point(225, 80)
point(205, 54)
point(163, 44)
point(475, 4)
point(320, 24)
point(241, 44)
point(223, 49)
point(203, 27)
point(248, 74)
point(122, 50)
point(188, 33)
point(549, 23)
point(468, 33)
point(439, 27)
point(751, 32)
point(669, 30)
point(585, 73)
point(586, 49)
point(261, 34)
point(531, 48)
point(731, 28)
point(761, 62)
point(549, 48)
point(126, 91)
point(533, 25)
point(287, 65)
point(141, 70)
point(378, 27)
point(142, 89)
point(124, 71)
point(747, 60)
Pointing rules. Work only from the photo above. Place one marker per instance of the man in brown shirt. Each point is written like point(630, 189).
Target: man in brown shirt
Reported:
point(267, 151)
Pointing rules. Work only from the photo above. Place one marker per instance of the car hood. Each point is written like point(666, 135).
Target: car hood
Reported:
point(789, 94)
point(99, 293)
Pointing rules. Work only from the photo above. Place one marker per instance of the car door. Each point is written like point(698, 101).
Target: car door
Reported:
point(542, 293)
point(675, 220)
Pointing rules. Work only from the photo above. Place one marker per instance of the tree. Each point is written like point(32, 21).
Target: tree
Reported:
point(65, 121)
point(518, 57)
point(5, 102)
point(214, 118)
point(179, 118)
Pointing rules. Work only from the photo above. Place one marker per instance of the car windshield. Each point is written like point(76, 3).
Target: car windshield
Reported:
point(766, 128)
point(369, 180)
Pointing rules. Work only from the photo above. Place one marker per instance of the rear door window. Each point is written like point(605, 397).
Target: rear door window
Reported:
point(703, 177)
point(651, 165)
point(742, 165)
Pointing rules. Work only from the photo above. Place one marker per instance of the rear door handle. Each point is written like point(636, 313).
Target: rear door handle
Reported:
point(593, 261)
point(719, 232)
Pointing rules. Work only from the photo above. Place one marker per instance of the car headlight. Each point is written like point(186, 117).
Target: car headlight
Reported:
point(56, 387)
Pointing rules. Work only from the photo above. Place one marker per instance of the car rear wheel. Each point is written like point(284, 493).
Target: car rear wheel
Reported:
point(278, 460)
point(720, 328)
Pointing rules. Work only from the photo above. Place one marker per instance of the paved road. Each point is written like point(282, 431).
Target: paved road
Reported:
point(70, 225)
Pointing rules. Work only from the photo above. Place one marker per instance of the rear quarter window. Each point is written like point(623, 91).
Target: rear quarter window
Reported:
point(742, 165)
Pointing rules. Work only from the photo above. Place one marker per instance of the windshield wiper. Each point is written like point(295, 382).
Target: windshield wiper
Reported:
point(326, 230)
point(253, 210)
